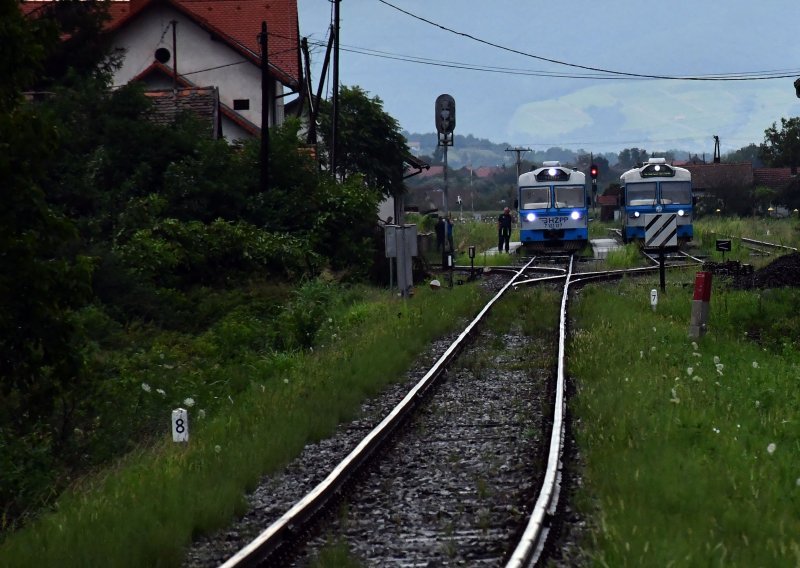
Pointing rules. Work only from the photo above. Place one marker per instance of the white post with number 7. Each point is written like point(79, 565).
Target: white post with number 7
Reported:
point(180, 425)
point(654, 298)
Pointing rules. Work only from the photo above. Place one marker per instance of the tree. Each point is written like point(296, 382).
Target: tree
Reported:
point(749, 153)
point(782, 147)
point(41, 279)
point(370, 141)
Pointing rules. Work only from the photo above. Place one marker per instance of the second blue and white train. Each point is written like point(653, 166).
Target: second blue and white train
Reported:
point(656, 188)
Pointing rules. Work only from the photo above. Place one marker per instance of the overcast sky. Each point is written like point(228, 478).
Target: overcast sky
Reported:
point(510, 100)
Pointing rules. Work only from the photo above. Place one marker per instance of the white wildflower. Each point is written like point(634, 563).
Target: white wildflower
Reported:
point(696, 354)
point(675, 399)
point(755, 364)
point(716, 430)
point(146, 387)
point(689, 371)
point(201, 413)
point(694, 345)
point(188, 402)
point(217, 449)
point(641, 354)
point(161, 392)
point(286, 381)
point(771, 448)
point(653, 348)
point(716, 359)
point(697, 379)
point(654, 330)
point(758, 403)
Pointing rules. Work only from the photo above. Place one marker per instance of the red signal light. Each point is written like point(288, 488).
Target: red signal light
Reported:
point(593, 171)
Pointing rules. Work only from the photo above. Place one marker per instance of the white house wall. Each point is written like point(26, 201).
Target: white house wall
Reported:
point(201, 60)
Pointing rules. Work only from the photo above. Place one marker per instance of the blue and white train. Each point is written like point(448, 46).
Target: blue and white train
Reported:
point(553, 208)
point(655, 188)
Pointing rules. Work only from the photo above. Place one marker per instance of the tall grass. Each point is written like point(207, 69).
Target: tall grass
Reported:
point(690, 447)
point(778, 231)
point(146, 508)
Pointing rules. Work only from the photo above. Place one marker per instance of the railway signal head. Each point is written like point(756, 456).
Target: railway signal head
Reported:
point(593, 171)
point(445, 114)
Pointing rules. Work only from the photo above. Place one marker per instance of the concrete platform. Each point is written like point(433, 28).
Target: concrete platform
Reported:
point(601, 247)
point(513, 247)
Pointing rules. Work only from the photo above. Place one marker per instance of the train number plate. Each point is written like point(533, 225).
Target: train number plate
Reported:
point(554, 222)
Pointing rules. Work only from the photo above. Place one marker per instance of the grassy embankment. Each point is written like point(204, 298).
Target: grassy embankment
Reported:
point(147, 507)
point(691, 448)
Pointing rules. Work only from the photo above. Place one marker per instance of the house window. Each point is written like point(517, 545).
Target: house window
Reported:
point(241, 104)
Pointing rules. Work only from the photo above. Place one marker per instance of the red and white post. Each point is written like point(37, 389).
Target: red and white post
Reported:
point(700, 303)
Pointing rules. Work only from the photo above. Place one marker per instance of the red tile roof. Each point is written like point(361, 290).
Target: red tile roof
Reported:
point(775, 178)
point(719, 175)
point(227, 112)
point(203, 102)
point(236, 22)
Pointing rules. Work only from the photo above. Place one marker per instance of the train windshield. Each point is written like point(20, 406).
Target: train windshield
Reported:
point(638, 194)
point(535, 197)
point(676, 192)
point(570, 196)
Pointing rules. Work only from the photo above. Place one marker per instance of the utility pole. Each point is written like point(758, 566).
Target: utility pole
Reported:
point(519, 152)
point(174, 57)
point(265, 90)
point(335, 123)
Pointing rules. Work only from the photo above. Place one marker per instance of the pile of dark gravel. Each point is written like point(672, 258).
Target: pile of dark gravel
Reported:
point(728, 269)
point(784, 271)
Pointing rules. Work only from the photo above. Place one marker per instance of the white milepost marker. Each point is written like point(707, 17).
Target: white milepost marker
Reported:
point(180, 425)
point(654, 298)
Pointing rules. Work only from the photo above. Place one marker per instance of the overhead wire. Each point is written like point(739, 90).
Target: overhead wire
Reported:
point(745, 76)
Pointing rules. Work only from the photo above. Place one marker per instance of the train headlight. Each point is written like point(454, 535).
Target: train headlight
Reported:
point(531, 216)
point(636, 214)
point(681, 212)
point(575, 215)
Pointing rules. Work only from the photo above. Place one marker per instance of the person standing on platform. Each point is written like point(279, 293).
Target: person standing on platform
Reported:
point(450, 232)
point(440, 233)
point(504, 223)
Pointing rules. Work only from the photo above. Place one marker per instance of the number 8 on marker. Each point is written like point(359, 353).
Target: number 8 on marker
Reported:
point(180, 425)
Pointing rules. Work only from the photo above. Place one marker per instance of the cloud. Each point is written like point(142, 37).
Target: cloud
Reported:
point(658, 115)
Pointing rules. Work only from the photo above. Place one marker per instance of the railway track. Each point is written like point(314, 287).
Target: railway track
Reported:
point(461, 464)
point(475, 437)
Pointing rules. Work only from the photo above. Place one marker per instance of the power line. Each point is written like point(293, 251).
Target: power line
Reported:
point(710, 77)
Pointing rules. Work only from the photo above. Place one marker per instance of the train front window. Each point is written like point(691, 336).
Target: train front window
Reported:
point(676, 192)
point(570, 196)
point(535, 197)
point(638, 194)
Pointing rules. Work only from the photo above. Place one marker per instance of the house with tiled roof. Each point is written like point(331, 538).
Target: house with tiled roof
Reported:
point(774, 178)
point(188, 44)
point(720, 175)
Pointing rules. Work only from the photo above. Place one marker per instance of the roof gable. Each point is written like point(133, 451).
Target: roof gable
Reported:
point(234, 22)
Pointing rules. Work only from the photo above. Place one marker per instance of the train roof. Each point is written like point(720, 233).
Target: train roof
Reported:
point(540, 175)
point(649, 170)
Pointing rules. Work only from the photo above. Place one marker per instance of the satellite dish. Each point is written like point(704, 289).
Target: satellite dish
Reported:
point(162, 55)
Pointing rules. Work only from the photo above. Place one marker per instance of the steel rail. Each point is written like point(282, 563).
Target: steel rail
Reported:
point(757, 242)
point(532, 540)
point(282, 531)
